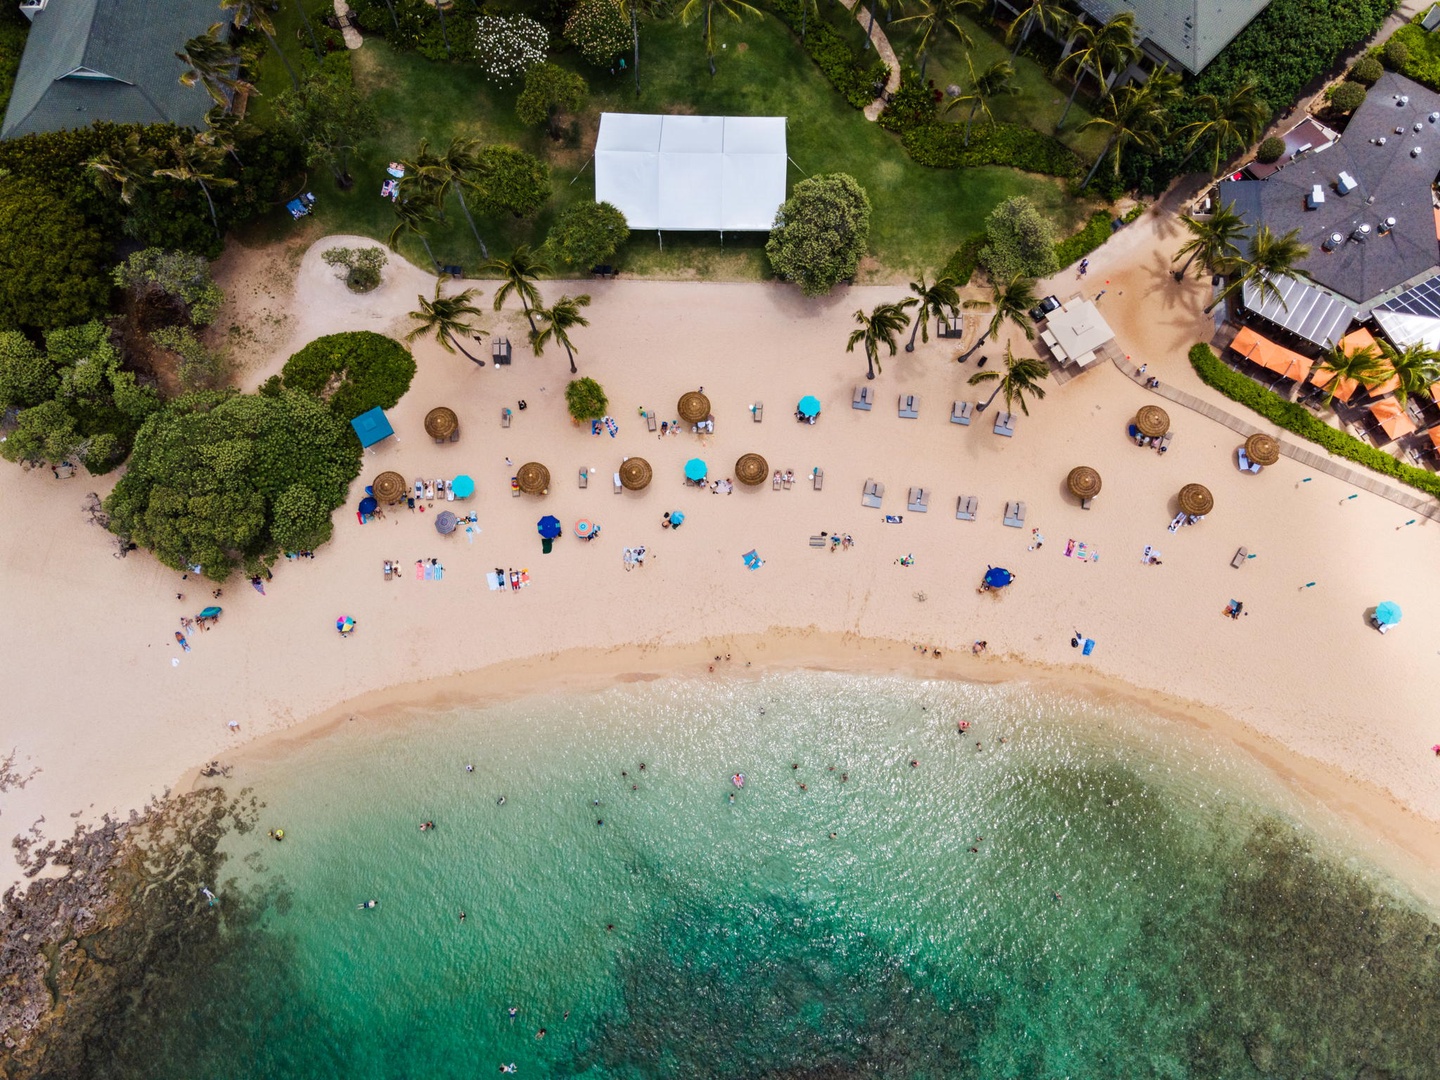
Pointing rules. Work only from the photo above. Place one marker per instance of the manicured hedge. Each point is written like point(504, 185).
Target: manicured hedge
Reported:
point(835, 56)
point(1423, 60)
point(1096, 231)
point(1302, 422)
point(942, 146)
point(961, 265)
point(354, 372)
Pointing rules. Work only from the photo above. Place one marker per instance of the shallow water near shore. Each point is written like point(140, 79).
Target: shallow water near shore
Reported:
point(1102, 893)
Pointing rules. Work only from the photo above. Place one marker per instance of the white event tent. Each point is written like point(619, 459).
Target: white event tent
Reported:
point(692, 173)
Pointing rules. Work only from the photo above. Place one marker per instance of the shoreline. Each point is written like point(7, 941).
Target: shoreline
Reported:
point(1339, 806)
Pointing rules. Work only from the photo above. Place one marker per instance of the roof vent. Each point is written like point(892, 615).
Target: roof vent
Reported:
point(1345, 184)
point(1315, 198)
point(1361, 233)
point(1333, 241)
point(1415, 152)
point(1387, 225)
point(1404, 99)
point(1434, 116)
point(1417, 126)
point(1399, 131)
point(1380, 141)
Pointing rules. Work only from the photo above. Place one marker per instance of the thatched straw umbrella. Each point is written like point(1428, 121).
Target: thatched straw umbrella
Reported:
point(533, 478)
point(635, 473)
point(388, 487)
point(441, 423)
point(1196, 500)
point(1153, 421)
point(1262, 449)
point(1084, 482)
point(693, 407)
point(751, 469)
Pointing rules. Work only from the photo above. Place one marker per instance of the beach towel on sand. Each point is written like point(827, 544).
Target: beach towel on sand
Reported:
point(495, 581)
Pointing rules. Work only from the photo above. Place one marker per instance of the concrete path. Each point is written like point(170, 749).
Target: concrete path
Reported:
point(882, 49)
point(353, 39)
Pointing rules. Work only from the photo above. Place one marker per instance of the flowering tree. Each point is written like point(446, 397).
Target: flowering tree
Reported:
point(507, 47)
point(599, 29)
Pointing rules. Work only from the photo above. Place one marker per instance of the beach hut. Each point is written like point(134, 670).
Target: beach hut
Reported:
point(533, 478)
point(371, 427)
point(1196, 500)
point(696, 470)
point(445, 522)
point(388, 487)
point(635, 473)
point(442, 424)
point(1084, 483)
point(693, 407)
point(1152, 421)
point(463, 486)
point(1262, 449)
point(751, 469)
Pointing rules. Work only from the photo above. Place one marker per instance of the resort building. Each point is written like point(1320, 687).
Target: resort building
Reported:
point(89, 60)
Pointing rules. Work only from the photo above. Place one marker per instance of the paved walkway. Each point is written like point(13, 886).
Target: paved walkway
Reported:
point(352, 37)
point(882, 49)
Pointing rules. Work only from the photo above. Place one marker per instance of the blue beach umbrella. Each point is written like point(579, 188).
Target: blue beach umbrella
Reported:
point(809, 405)
point(695, 469)
point(997, 577)
point(548, 527)
point(368, 505)
point(463, 486)
point(1387, 613)
point(677, 518)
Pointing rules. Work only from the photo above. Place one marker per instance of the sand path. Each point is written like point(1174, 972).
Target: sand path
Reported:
point(883, 49)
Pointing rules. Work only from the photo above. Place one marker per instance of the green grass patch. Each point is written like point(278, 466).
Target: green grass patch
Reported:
point(1296, 418)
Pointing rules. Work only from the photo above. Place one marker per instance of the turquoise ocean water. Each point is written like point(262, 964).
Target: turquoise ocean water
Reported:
point(1102, 894)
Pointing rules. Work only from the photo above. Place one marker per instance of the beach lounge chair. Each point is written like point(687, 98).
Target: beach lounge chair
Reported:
point(1243, 462)
point(778, 481)
point(584, 478)
point(1005, 424)
point(817, 541)
point(619, 487)
point(919, 501)
point(864, 398)
point(965, 507)
point(504, 418)
point(909, 407)
point(872, 494)
point(1242, 555)
point(758, 411)
point(1165, 442)
point(817, 478)
point(786, 479)
point(650, 421)
point(1015, 515)
point(1177, 521)
point(961, 412)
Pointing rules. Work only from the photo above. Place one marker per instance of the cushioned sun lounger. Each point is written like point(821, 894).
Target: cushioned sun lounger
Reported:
point(650, 421)
point(961, 412)
point(965, 507)
point(919, 501)
point(872, 494)
point(584, 478)
point(1005, 424)
point(864, 398)
point(1015, 515)
point(909, 406)
point(817, 541)
point(818, 478)
point(1241, 555)
point(758, 412)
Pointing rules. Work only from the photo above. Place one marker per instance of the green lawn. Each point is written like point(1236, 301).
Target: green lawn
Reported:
point(920, 215)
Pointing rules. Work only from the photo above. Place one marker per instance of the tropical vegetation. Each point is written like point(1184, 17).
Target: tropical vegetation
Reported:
point(879, 326)
point(352, 372)
point(821, 232)
point(585, 398)
point(555, 323)
point(1020, 380)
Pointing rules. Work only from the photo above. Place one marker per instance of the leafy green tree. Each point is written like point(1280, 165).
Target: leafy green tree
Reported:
point(587, 234)
point(933, 301)
point(1105, 51)
point(212, 473)
point(1012, 301)
point(125, 170)
point(995, 80)
point(1020, 241)
point(353, 372)
point(1268, 257)
point(1227, 125)
point(507, 180)
point(1020, 379)
point(27, 377)
point(549, 91)
point(362, 266)
point(821, 231)
point(557, 321)
point(411, 217)
point(879, 327)
point(1417, 367)
point(599, 29)
point(518, 275)
point(430, 177)
point(586, 400)
point(327, 117)
point(299, 521)
point(196, 162)
point(1346, 96)
point(199, 366)
point(937, 18)
point(177, 278)
point(214, 64)
point(256, 13)
point(1137, 115)
point(1362, 366)
point(447, 318)
point(50, 259)
point(1212, 240)
point(708, 11)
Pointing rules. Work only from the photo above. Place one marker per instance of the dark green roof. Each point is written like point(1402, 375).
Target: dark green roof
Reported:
point(88, 60)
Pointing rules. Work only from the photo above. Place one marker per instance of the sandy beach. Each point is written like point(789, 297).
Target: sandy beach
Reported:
point(100, 719)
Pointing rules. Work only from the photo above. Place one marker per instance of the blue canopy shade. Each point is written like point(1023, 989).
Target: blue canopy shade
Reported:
point(997, 577)
point(1388, 613)
point(809, 405)
point(695, 469)
point(548, 526)
point(463, 486)
point(370, 427)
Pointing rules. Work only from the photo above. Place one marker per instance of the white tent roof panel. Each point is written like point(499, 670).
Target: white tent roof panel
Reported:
point(690, 195)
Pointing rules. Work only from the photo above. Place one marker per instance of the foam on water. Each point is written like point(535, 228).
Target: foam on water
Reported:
point(1091, 897)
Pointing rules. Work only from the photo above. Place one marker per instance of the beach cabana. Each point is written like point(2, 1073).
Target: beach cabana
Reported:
point(751, 469)
point(371, 427)
point(388, 487)
point(808, 406)
point(463, 486)
point(1196, 500)
point(1152, 421)
point(533, 478)
point(696, 470)
point(1075, 332)
point(1258, 349)
point(1083, 482)
point(445, 522)
point(693, 407)
point(1262, 449)
point(635, 473)
point(1390, 415)
point(442, 424)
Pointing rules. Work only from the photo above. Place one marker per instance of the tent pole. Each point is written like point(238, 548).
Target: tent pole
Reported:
point(660, 239)
point(582, 169)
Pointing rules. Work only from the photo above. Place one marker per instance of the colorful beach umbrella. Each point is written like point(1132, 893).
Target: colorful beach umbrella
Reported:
point(209, 613)
point(344, 624)
point(584, 529)
point(676, 518)
point(368, 505)
point(809, 405)
point(1387, 613)
point(695, 469)
point(463, 486)
point(548, 527)
point(997, 577)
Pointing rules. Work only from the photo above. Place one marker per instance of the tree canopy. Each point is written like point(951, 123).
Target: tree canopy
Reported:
point(510, 181)
point(586, 399)
point(587, 234)
point(353, 372)
point(549, 91)
point(50, 260)
point(599, 29)
point(327, 117)
point(821, 232)
point(1020, 242)
point(220, 480)
point(174, 277)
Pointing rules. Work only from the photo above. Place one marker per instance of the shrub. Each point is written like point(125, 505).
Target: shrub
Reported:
point(587, 234)
point(1298, 419)
point(27, 377)
point(200, 367)
point(1270, 150)
point(837, 59)
point(1346, 96)
point(1395, 53)
point(1367, 70)
point(1019, 242)
point(549, 91)
point(511, 181)
point(175, 276)
point(912, 106)
point(50, 260)
point(1097, 230)
point(820, 232)
point(962, 263)
point(600, 30)
point(1419, 52)
point(361, 265)
point(507, 47)
point(942, 146)
point(586, 399)
point(354, 372)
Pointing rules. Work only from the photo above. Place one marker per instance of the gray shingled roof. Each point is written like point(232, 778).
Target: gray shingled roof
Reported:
point(1192, 31)
point(1391, 182)
point(130, 42)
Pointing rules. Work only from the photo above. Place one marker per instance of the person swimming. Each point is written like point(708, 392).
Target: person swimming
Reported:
point(500, 801)
point(369, 904)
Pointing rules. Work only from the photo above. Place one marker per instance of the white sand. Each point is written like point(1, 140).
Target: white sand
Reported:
point(94, 703)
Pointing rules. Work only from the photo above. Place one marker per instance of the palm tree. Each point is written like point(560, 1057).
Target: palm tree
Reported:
point(1212, 240)
point(1136, 116)
point(1048, 15)
point(1021, 377)
point(648, 7)
point(1267, 258)
point(194, 162)
point(558, 319)
point(939, 300)
point(1416, 366)
point(411, 215)
point(1106, 51)
point(1362, 366)
point(993, 81)
point(448, 319)
point(211, 62)
point(436, 175)
point(938, 17)
point(126, 169)
point(1013, 301)
point(1230, 124)
point(517, 275)
point(255, 13)
point(877, 328)
point(708, 9)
